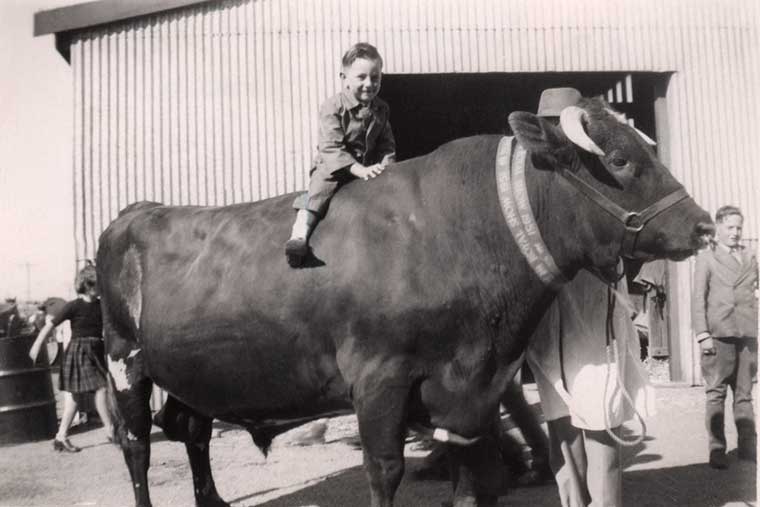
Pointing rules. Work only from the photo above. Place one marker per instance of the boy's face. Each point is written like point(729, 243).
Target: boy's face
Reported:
point(362, 79)
point(729, 231)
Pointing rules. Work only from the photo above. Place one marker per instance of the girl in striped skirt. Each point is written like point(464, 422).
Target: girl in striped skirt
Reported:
point(82, 367)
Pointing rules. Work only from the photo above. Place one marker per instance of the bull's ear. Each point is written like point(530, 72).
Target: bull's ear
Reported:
point(541, 138)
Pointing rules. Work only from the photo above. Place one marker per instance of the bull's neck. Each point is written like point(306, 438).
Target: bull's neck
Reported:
point(525, 285)
point(557, 216)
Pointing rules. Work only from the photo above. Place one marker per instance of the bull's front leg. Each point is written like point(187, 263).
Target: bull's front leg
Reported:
point(380, 405)
point(477, 472)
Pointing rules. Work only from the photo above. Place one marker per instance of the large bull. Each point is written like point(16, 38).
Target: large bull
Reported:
point(414, 309)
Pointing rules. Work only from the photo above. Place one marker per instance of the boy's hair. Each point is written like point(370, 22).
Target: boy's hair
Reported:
point(86, 279)
point(726, 211)
point(361, 50)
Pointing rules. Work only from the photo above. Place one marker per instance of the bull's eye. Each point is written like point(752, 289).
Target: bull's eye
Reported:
point(619, 162)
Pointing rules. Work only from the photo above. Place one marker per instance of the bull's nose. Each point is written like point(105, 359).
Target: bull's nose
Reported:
point(705, 229)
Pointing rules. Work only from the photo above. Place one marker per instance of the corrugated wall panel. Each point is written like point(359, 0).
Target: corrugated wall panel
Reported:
point(216, 103)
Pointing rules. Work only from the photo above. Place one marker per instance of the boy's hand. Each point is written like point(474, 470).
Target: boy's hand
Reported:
point(388, 159)
point(366, 173)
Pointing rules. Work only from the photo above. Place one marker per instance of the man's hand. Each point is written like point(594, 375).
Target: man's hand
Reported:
point(708, 346)
point(366, 173)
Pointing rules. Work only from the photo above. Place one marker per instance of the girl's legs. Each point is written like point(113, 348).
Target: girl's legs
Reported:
point(102, 408)
point(69, 410)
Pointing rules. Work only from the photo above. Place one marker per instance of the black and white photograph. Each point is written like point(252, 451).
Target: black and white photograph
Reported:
point(410, 253)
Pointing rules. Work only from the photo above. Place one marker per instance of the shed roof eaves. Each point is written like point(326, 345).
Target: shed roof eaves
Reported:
point(83, 15)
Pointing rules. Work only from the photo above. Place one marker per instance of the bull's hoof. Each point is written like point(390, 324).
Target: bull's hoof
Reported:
point(296, 251)
point(211, 501)
point(470, 501)
point(432, 473)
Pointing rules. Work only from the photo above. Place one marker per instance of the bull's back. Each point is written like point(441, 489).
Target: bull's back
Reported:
point(207, 295)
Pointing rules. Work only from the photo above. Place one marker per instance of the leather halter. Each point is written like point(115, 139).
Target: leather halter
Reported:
point(513, 198)
point(633, 221)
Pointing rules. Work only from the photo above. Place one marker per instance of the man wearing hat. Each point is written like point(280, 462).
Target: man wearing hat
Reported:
point(577, 383)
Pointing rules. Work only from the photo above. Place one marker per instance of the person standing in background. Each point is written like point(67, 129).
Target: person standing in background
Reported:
point(581, 380)
point(724, 316)
point(82, 367)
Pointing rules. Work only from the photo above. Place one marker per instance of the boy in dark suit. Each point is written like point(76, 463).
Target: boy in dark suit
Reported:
point(355, 141)
point(724, 316)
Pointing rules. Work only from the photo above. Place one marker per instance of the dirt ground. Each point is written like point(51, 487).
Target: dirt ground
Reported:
point(667, 469)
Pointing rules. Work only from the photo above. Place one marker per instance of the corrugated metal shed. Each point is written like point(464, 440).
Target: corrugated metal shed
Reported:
point(215, 103)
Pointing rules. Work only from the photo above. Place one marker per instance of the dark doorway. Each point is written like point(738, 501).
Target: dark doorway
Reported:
point(428, 110)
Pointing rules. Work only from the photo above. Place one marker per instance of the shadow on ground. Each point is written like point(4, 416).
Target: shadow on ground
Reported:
point(692, 485)
point(349, 488)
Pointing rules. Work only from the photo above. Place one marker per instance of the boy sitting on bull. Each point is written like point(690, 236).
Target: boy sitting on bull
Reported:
point(355, 141)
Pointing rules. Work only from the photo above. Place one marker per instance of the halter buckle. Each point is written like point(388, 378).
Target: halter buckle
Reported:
point(633, 221)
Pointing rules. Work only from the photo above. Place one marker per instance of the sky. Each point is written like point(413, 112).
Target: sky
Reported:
point(36, 132)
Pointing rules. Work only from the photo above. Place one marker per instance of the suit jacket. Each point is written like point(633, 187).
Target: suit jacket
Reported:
point(344, 138)
point(724, 302)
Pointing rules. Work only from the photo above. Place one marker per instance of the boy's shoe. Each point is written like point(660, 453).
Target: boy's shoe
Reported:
point(297, 247)
point(718, 460)
point(296, 250)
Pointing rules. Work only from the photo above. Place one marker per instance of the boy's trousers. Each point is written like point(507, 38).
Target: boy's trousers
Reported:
point(322, 187)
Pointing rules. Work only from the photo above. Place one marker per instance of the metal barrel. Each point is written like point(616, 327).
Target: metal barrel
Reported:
point(27, 402)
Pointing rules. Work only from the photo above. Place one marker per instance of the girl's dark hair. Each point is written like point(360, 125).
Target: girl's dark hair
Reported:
point(726, 211)
point(361, 50)
point(86, 279)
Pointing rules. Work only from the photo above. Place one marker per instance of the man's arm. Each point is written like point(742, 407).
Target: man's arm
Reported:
point(699, 299)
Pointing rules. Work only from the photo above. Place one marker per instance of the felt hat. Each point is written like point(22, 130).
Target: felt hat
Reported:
point(554, 100)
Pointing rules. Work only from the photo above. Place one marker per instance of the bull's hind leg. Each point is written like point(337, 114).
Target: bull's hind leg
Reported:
point(132, 429)
point(182, 423)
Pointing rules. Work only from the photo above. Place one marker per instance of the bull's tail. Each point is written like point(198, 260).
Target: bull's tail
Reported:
point(117, 419)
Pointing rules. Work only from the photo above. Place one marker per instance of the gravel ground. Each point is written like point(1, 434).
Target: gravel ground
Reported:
point(667, 469)
point(658, 369)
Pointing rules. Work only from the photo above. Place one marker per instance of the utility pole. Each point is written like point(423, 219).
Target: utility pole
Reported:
point(28, 281)
point(28, 271)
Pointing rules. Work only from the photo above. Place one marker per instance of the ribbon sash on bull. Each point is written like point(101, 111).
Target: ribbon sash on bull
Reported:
point(515, 205)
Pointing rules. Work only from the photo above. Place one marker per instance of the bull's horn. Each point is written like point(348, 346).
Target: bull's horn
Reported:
point(624, 120)
point(571, 121)
point(646, 138)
